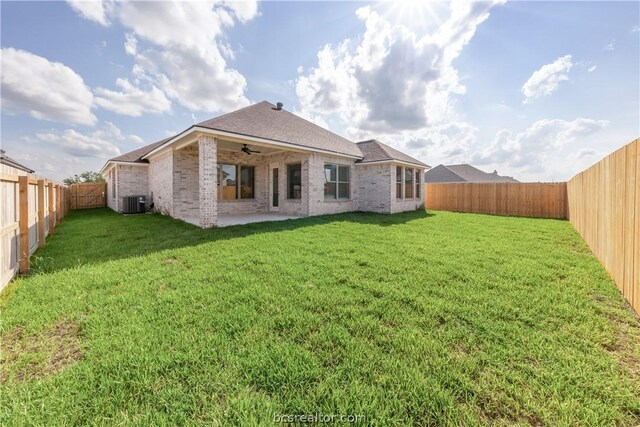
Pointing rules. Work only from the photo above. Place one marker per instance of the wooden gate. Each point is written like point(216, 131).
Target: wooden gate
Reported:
point(88, 195)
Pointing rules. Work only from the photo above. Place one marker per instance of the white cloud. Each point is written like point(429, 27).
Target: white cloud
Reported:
point(592, 69)
point(547, 79)
point(440, 144)
point(197, 78)
point(99, 144)
point(79, 144)
point(635, 29)
point(184, 46)
point(130, 44)
point(396, 85)
point(537, 149)
point(46, 90)
point(244, 10)
point(136, 139)
point(611, 46)
point(391, 79)
point(131, 100)
point(93, 10)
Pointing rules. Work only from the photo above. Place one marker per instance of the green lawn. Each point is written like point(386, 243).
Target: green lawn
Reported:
point(415, 318)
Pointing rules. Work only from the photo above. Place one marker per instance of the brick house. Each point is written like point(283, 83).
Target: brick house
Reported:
point(263, 162)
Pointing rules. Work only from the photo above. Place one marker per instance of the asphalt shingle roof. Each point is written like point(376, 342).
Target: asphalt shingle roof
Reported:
point(263, 120)
point(463, 173)
point(135, 156)
point(376, 151)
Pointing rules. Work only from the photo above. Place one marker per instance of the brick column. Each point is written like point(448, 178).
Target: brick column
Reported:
point(207, 181)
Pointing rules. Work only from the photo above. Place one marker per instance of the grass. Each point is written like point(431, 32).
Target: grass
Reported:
point(415, 318)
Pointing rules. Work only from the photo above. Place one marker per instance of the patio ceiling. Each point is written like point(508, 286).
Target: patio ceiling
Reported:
point(225, 145)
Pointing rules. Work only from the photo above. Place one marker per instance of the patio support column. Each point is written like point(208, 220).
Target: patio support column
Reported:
point(208, 188)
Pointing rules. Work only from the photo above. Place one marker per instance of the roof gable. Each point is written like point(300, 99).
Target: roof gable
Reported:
point(375, 151)
point(264, 120)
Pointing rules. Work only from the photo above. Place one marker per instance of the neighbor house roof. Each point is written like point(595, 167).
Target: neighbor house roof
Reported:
point(6, 160)
point(264, 120)
point(376, 151)
point(463, 173)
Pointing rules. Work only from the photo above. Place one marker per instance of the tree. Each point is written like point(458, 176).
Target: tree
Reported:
point(86, 176)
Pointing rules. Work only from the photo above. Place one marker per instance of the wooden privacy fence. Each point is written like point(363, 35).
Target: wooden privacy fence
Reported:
point(31, 209)
point(604, 207)
point(88, 195)
point(539, 200)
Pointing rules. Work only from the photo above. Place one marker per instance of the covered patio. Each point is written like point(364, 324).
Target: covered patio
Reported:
point(222, 180)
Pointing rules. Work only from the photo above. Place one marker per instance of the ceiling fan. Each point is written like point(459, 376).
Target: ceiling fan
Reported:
point(248, 150)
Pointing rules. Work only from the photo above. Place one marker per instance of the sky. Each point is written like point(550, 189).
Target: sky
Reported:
point(535, 90)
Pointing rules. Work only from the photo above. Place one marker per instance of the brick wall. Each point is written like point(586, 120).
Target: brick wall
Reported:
point(207, 178)
point(374, 188)
point(281, 160)
point(177, 184)
point(185, 183)
point(317, 203)
point(131, 180)
point(112, 201)
point(161, 183)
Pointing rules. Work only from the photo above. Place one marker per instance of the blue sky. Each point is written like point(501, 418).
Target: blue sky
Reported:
point(536, 90)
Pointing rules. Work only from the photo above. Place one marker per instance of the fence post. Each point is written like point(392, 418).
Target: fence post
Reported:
point(58, 205)
point(52, 224)
point(23, 186)
point(41, 208)
point(63, 199)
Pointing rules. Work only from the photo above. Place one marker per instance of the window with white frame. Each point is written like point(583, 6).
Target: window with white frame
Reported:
point(337, 182)
point(418, 187)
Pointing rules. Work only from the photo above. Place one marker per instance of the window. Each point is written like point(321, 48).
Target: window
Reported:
point(336, 182)
point(408, 183)
point(247, 181)
point(418, 188)
point(294, 181)
point(230, 188)
point(228, 182)
point(399, 182)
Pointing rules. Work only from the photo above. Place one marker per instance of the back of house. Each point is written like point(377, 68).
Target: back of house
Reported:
point(263, 159)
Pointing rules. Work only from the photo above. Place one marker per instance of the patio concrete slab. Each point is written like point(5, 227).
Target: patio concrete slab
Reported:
point(227, 220)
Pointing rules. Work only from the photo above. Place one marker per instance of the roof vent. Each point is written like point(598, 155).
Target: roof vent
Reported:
point(279, 106)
